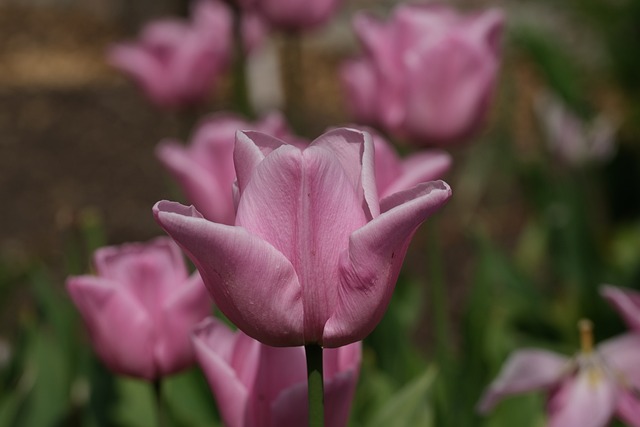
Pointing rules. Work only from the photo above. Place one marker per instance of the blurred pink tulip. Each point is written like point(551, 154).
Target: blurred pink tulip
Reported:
point(177, 63)
point(141, 307)
point(314, 255)
point(293, 15)
point(571, 139)
point(205, 170)
point(584, 391)
point(428, 74)
point(394, 174)
point(627, 302)
point(258, 385)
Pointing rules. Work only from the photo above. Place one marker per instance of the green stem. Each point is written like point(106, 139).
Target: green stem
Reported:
point(161, 414)
point(316, 386)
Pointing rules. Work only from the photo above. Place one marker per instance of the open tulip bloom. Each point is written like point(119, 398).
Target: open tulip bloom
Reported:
point(314, 255)
point(428, 74)
point(176, 63)
point(140, 308)
point(258, 385)
point(584, 391)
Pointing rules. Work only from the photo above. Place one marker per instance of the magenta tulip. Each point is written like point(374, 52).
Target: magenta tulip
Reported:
point(428, 74)
point(141, 307)
point(205, 170)
point(314, 255)
point(571, 139)
point(293, 15)
point(584, 391)
point(177, 63)
point(257, 385)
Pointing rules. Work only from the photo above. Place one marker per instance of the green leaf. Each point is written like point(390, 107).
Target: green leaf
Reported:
point(410, 406)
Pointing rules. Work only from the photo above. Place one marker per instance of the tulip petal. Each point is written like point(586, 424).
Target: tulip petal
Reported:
point(304, 205)
point(359, 82)
point(147, 271)
point(214, 347)
point(143, 68)
point(371, 267)
point(421, 167)
point(626, 301)
point(185, 307)
point(622, 355)
point(196, 181)
point(120, 329)
point(279, 370)
point(457, 79)
point(486, 28)
point(251, 282)
point(356, 152)
point(341, 367)
point(525, 370)
point(250, 149)
point(587, 401)
point(628, 408)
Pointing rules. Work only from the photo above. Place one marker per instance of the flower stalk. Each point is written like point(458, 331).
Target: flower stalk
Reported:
point(313, 353)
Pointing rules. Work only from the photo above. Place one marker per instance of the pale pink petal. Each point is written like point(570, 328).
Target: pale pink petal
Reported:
point(148, 271)
point(628, 408)
point(388, 163)
point(121, 330)
point(356, 152)
point(200, 187)
point(585, 401)
point(371, 267)
point(186, 306)
point(627, 302)
point(622, 356)
point(381, 45)
point(251, 282)
point(164, 35)
point(486, 29)
point(144, 69)
point(250, 149)
point(315, 210)
point(525, 370)
point(450, 85)
point(214, 343)
point(295, 15)
point(359, 83)
point(341, 368)
point(420, 167)
point(279, 370)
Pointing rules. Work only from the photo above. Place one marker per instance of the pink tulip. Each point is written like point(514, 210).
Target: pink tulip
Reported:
point(176, 63)
point(571, 139)
point(314, 255)
point(293, 15)
point(584, 391)
point(205, 170)
point(257, 385)
point(627, 302)
point(427, 74)
point(141, 307)
point(394, 174)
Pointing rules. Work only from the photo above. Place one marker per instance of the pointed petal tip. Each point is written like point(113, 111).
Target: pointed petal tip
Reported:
point(164, 207)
